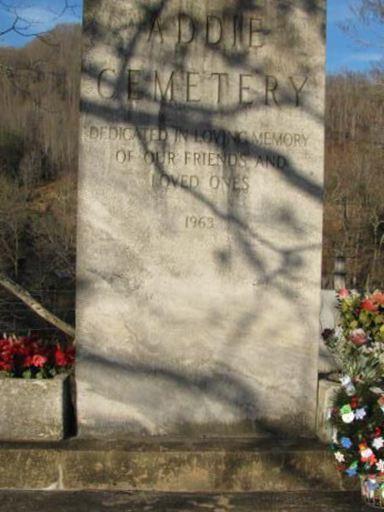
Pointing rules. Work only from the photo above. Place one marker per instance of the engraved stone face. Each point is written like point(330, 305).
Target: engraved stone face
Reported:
point(200, 216)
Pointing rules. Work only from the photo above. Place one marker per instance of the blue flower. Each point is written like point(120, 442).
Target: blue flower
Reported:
point(360, 414)
point(351, 471)
point(346, 442)
point(372, 485)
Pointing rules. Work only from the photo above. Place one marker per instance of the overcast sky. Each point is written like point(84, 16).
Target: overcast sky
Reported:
point(343, 52)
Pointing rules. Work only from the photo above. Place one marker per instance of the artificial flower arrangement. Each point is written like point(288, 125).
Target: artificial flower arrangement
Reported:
point(31, 358)
point(357, 415)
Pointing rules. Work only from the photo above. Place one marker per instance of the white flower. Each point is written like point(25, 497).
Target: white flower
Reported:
point(345, 380)
point(348, 418)
point(380, 465)
point(339, 457)
point(378, 443)
point(360, 414)
point(347, 384)
point(366, 454)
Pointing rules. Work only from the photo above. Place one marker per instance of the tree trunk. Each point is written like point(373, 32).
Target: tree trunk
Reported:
point(26, 297)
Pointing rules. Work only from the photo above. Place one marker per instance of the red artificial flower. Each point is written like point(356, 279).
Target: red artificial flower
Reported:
point(5, 367)
point(354, 402)
point(377, 432)
point(16, 354)
point(60, 357)
point(71, 355)
point(7, 356)
point(64, 357)
point(368, 305)
point(343, 293)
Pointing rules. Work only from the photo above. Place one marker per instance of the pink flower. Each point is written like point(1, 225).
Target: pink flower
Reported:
point(343, 293)
point(38, 361)
point(358, 337)
point(378, 298)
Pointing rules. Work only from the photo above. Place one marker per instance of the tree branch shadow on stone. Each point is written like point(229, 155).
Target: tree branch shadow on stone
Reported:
point(176, 116)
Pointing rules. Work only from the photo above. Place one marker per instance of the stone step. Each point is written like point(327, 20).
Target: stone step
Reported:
point(176, 502)
point(170, 465)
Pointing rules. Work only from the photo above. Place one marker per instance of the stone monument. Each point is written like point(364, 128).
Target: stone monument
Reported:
point(200, 217)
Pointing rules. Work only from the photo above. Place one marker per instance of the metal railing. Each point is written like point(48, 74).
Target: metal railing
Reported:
point(16, 317)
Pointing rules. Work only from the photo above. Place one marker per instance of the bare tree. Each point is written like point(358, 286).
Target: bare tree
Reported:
point(354, 212)
point(22, 25)
point(13, 222)
point(365, 26)
point(369, 10)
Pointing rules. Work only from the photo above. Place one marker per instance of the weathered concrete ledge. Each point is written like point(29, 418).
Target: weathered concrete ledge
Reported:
point(170, 465)
point(12, 501)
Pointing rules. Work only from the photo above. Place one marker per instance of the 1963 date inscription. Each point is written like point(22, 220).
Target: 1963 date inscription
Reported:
point(194, 222)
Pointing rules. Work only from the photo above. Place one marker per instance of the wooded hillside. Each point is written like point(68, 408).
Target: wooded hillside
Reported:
point(39, 104)
point(354, 178)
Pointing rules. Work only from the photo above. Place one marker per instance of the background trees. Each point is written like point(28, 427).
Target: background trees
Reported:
point(354, 192)
point(354, 210)
point(39, 106)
